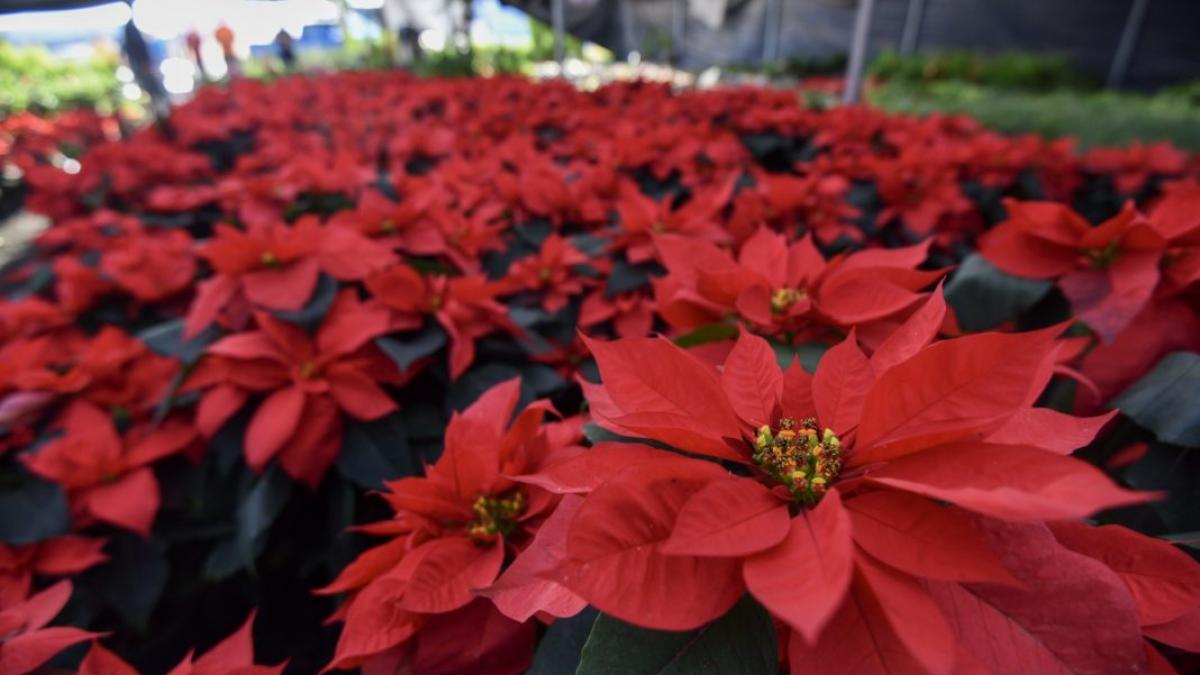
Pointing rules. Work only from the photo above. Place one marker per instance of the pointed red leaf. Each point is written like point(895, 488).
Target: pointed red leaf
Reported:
point(840, 385)
point(1049, 429)
point(652, 377)
point(859, 640)
point(752, 380)
point(913, 335)
point(1070, 614)
point(914, 617)
point(100, 661)
point(803, 580)
point(442, 574)
point(1164, 581)
point(729, 518)
point(922, 538)
point(27, 652)
point(274, 422)
point(287, 288)
point(616, 536)
point(1007, 481)
point(131, 502)
point(955, 382)
point(524, 590)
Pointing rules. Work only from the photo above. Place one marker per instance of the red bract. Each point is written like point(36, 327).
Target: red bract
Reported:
point(107, 477)
point(232, 656)
point(465, 307)
point(631, 314)
point(790, 291)
point(25, 641)
point(402, 225)
point(151, 267)
point(550, 272)
point(277, 267)
point(1108, 272)
point(111, 370)
point(836, 517)
point(413, 596)
point(307, 383)
point(642, 218)
point(68, 554)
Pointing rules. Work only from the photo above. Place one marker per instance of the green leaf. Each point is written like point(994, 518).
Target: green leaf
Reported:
point(132, 580)
point(167, 339)
point(309, 316)
point(32, 510)
point(406, 349)
point(809, 353)
point(983, 297)
point(626, 276)
point(709, 332)
point(1164, 400)
point(561, 646)
point(374, 452)
point(742, 641)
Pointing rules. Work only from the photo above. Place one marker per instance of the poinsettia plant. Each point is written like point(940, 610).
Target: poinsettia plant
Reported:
point(487, 375)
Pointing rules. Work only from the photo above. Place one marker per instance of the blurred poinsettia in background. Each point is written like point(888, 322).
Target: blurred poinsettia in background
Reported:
point(439, 376)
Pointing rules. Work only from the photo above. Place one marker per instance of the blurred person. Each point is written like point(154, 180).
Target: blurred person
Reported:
point(224, 37)
point(137, 54)
point(193, 43)
point(287, 50)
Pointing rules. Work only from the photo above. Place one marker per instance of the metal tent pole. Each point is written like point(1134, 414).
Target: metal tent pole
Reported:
point(771, 30)
point(858, 51)
point(912, 26)
point(1129, 36)
point(559, 20)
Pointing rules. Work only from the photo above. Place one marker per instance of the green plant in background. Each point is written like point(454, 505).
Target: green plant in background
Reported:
point(32, 78)
point(1094, 117)
point(1016, 70)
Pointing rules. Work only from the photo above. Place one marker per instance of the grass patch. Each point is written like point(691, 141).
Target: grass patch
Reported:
point(1100, 118)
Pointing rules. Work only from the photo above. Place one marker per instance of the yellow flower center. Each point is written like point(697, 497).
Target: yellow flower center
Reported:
point(783, 299)
point(388, 226)
point(269, 259)
point(307, 370)
point(796, 455)
point(495, 516)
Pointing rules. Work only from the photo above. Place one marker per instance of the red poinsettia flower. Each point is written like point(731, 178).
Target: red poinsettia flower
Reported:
point(464, 306)
point(308, 384)
point(107, 477)
point(1132, 166)
point(402, 225)
point(815, 201)
point(1108, 272)
point(25, 641)
point(836, 517)
point(631, 313)
point(78, 287)
point(30, 316)
point(790, 290)
point(277, 266)
point(414, 598)
point(111, 369)
point(642, 218)
point(919, 191)
point(60, 556)
point(550, 272)
point(1176, 217)
point(150, 267)
point(233, 655)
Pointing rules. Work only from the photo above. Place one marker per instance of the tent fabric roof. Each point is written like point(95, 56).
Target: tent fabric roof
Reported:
point(10, 6)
